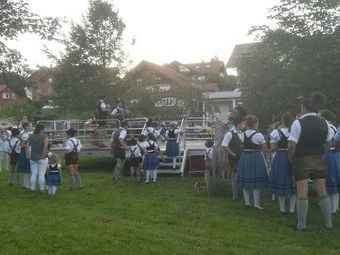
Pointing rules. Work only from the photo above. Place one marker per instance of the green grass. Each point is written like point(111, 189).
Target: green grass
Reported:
point(162, 218)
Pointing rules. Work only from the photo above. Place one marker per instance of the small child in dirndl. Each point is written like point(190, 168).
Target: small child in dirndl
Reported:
point(208, 158)
point(135, 159)
point(24, 166)
point(53, 178)
point(281, 181)
point(151, 160)
point(252, 170)
point(172, 149)
point(332, 158)
point(14, 146)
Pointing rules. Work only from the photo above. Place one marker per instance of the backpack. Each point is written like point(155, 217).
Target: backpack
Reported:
point(115, 144)
point(13, 156)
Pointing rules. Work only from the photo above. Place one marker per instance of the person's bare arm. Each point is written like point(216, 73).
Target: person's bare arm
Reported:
point(291, 150)
point(273, 147)
point(45, 148)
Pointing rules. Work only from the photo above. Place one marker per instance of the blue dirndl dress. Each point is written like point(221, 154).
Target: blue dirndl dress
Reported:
point(332, 159)
point(23, 162)
point(151, 160)
point(252, 170)
point(281, 175)
point(172, 148)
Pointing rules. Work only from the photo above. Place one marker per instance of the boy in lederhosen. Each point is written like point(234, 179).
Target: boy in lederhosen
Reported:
point(308, 137)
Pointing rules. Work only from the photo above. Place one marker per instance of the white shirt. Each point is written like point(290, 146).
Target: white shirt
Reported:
point(208, 153)
point(337, 136)
point(176, 131)
point(136, 151)
point(258, 138)
point(102, 105)
point(151, 130)
point(275, 135)
point(150, 142)
point(295, 131)
point(69, 145)
point(24, 135)
point(15, 144)
point(228, 136)
point(55, 164)
point(143, 144)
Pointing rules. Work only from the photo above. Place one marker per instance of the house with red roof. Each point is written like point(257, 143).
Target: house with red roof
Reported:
point(8, 95)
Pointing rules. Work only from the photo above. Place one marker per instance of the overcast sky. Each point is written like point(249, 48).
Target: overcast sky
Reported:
point(184, 30)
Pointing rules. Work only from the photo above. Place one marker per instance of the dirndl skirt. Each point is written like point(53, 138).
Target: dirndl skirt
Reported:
point(252, 171)
point(281, 175)
point(151, 161)
point(53, 179)
point(24, 165)
point(135, 161)
point(171, 148)
point(332, 159)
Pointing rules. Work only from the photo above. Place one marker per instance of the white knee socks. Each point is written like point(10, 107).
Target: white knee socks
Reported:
point(147, 177)
point(335, 202)
point(292, 202)
point(257, 196)
point(246, 194)
point(282, 204)
point(174, 163)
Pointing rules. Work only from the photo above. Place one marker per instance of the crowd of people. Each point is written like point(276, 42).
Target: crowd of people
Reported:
point(28, 157)
point(300, 151)
point(303, 150)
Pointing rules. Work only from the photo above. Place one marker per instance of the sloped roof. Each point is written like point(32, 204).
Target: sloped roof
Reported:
point(211, 67)
point(2, 87)
point(240, 50)
point(166, 71)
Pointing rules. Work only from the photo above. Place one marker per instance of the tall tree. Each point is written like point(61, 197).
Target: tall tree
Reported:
point(92, 60)
point(15, 19)
point(300, 56)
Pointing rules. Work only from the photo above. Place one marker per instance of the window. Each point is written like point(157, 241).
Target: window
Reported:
point(201, 78)
point(50, 80)
point(166, 101)
point(5, 95)
point(13, 95)
point(139, 81)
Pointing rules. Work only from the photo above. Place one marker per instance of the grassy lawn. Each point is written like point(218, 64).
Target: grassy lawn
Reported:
point(162, 218)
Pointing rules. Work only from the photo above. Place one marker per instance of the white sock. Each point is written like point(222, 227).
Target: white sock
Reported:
point(49, 190)
point(154, 175)
point(334, 198)
point(26, 181)
point(257, 197)
point(337, 201)
point(282, 203)
point(246, 194)
point(174, 163)
point(54, 189)
point(147, 177)
point(292, 203)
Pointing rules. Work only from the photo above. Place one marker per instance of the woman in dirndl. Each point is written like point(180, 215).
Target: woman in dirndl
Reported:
point(151, 160)
point(281, 181)
point(23, 162)
point(172, 149)
point(332, 158)
point(252, 170)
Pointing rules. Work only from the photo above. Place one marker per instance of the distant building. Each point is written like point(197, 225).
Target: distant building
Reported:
point(8, 95)
point(239, 52)
point(42, 88)
point(219, 105)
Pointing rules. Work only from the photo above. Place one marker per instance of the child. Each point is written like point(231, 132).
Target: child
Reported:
point(252, 170)
point(208, 156)
point(151, 160)
point(332, 158)
point(72, 149)
point(14, 145)
point(135, 159)
point(53, 175)
point(172, 149)
point(23, 162)
point(281, 181)
point(3, 149)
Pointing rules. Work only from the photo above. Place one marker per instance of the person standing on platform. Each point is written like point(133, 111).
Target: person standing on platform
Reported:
point(101, 116)
point(281, 181)
point(306, 147)
point(151, 160)
point(3, 150)
point(23, 162)
point(172, 148)
point(232, 141)
point(118, 149)
point(252, 170)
